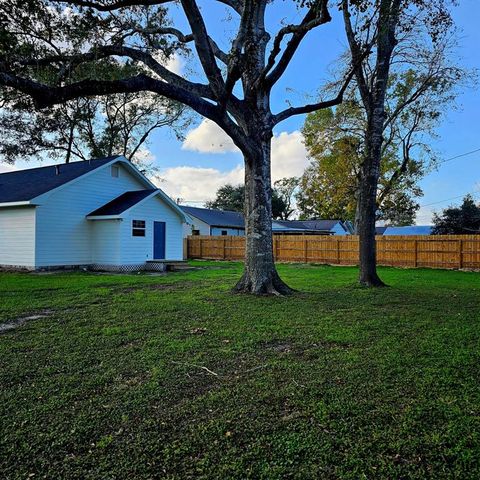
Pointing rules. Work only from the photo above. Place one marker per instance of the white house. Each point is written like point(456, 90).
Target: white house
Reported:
point(206, 221)
point(103, 213)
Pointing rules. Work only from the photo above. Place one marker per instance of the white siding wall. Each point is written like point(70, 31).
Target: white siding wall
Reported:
point(203, 227)
point(63, 233)
point(17, 236)
point(230, 231)
point(106, 242)
point(140, 249)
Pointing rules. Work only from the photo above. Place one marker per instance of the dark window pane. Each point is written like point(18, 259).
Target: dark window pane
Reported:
point(138, 228)
point(138, 223)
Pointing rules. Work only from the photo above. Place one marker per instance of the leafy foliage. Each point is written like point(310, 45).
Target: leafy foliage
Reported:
point(232, 197)
point(335, 141)
point(464, 219)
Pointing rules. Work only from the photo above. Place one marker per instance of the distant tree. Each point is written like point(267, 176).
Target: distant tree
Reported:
point(232, 197)
point(464, 219)
point(228, 197)
point(286, 189)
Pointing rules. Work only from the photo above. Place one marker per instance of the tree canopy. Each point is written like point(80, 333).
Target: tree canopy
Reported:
point(461, 220)
point(232, 197)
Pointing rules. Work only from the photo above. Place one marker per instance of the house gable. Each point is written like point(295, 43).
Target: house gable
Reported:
point(140, 249)
point(62, 231)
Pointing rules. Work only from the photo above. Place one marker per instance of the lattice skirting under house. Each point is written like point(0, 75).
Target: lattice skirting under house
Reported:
point(140, 267)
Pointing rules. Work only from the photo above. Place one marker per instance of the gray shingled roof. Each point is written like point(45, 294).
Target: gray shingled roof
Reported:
point(121, 203)
point(324, 225)
point(216, 218)
point(24, 185)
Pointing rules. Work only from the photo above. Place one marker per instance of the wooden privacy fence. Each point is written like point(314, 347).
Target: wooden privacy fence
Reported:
point(435, 251)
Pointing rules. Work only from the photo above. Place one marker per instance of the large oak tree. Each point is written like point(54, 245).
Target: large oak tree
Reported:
point(42, 43)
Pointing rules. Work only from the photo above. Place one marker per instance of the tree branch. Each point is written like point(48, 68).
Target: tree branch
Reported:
point(44, 96)
point(317, 15)
point(204, 47)
point(97, 53)
point(313, 107)
point(357, 56)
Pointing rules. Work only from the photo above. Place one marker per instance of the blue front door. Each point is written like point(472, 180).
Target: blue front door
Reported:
point(159, 240)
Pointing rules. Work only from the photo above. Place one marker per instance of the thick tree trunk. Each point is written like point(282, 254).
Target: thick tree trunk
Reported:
point(367, 203)
point(260, 275)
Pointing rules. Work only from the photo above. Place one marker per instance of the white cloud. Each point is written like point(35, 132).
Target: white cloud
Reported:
point(175, 64)
point(424, 216)
point(197, 184)
point(289, 158)
point(208, 137)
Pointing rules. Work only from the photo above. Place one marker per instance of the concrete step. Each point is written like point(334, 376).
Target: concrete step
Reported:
point(168, 265)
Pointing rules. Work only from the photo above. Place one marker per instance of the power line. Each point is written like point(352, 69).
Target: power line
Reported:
point(458, 196)
point(459, 156)
point(447, 199)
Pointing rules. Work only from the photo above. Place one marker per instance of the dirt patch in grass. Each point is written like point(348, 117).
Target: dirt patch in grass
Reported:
point(20, 321)
point(287, 346)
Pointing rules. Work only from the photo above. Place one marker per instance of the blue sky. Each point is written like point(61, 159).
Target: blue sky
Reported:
point(195, 169)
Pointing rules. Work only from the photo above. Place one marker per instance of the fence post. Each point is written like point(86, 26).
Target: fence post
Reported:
point(201, 248)
point(337, 242)
point(277, 247)
point(416, 254)
point(305, 250)
point(224, 248)
point(460, 253)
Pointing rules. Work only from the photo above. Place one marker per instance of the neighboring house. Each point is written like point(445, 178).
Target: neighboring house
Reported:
point(312, 227)
point(102, 213)
point(409, 230)
point(380, 230)
point(205, 221)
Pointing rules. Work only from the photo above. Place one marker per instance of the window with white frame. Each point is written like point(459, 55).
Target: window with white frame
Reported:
point(138, 228)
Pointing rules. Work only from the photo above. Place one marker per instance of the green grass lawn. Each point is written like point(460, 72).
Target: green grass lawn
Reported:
point(335, 382)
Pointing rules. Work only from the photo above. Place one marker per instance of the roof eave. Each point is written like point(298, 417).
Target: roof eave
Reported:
point(27, 203)
point(228, 226)
point(104, 217)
